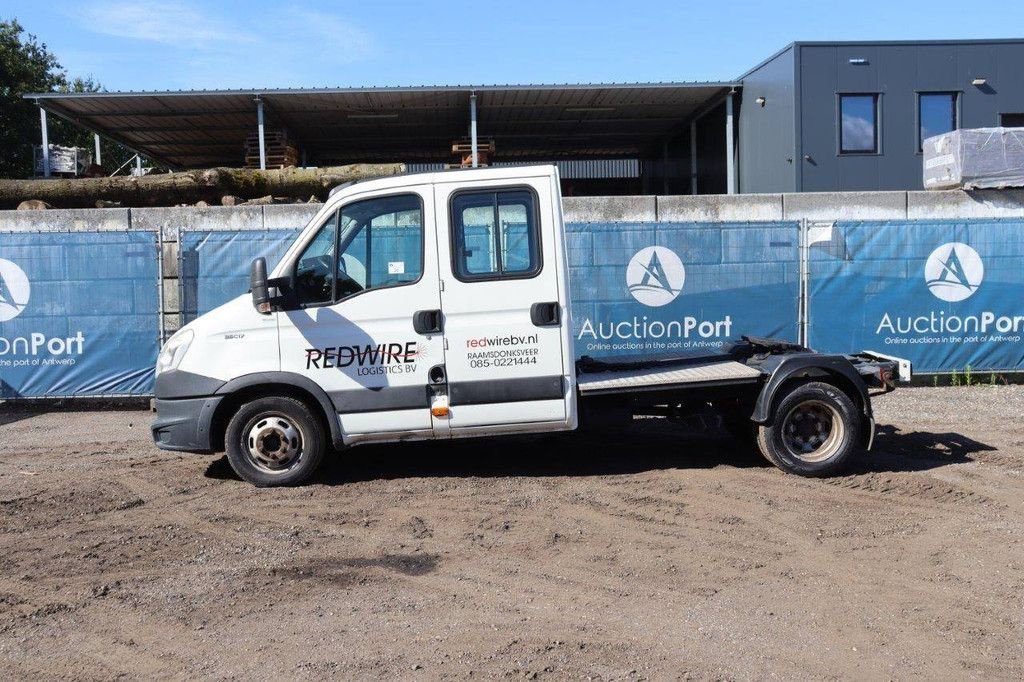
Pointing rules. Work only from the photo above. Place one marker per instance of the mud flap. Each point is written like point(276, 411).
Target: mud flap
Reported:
point(870, 434)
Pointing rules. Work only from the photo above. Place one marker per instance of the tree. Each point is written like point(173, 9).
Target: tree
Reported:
point(25, 66)
point(70, 135)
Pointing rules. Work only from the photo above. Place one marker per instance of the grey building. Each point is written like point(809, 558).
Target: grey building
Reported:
point(850, 116)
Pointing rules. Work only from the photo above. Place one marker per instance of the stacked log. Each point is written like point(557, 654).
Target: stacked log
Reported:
point(189, 187)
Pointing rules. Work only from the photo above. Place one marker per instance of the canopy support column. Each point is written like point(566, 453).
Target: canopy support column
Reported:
point(46, 142)
point(263, 142)
point(664, 166)
point(98, 157)
point(730, 147)
point(472, 129)
point(693, 157)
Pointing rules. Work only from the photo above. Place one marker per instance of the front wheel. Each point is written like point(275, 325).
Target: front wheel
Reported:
point(813, 432)
point(275, 442)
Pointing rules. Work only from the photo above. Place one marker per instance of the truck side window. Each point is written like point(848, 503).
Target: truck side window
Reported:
point(314, 272)
point(495, 235)
point(380, 242)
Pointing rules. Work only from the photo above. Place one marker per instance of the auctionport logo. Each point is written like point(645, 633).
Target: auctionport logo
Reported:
point(655, 276)
point(954, 271)
point(14, 290)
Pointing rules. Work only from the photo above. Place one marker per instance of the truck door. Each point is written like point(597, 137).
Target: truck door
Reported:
point(351, 326)
point(504, 293)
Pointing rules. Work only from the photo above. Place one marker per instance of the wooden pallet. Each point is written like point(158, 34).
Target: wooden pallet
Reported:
point(483, 146)
point(464, 150)
point(280, 151)
point(273, 161)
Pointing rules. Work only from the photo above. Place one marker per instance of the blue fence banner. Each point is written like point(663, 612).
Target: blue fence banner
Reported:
point(636, 287)
point(945, 294)
point(213, 265)
point(79, 313)
point(663, 288)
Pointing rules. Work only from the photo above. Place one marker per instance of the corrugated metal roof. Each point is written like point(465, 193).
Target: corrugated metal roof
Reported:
point(409, 123)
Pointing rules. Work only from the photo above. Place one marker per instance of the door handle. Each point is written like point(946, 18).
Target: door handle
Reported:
point(427, 321)
point(548, 314)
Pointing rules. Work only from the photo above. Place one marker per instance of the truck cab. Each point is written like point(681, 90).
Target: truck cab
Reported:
point(434, 306)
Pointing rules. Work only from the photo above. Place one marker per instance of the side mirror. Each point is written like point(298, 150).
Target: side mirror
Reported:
point(258, 286)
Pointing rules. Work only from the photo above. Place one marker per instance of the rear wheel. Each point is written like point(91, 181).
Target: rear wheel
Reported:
point(275, 442)
point(813, 431)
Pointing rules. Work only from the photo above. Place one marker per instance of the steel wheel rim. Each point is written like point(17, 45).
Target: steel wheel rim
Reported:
point(273, 443)
point(813, 431)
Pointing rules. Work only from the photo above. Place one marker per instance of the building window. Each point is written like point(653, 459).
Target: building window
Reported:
point(936, 114)
point(496, 235)
point(1011, 120)
point(858, 121)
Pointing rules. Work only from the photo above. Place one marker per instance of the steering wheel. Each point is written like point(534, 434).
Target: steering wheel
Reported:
point(346, 285)
point(314, 278)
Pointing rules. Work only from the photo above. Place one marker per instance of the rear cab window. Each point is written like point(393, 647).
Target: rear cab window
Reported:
point(495, 234)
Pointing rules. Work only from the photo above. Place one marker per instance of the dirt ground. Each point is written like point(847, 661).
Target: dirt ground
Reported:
point(641, 554)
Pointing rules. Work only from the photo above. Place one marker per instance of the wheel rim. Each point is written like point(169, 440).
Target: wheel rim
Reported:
point(273, 443)
point(813, 431)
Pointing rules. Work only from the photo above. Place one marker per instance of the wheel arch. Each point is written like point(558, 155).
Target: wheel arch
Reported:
point(242, 389)
point(831, 369)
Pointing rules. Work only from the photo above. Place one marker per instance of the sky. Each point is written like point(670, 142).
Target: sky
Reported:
point(189, 44)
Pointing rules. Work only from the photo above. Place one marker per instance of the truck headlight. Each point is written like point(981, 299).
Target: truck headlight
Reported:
point(174, 351)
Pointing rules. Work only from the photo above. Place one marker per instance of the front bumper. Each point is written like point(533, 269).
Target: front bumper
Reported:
point(183, 424)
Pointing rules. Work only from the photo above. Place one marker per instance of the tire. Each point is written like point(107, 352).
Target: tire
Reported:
point(813, 431)
point(275, 442)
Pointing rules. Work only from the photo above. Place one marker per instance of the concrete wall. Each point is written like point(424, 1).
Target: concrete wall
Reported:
point(823, 206)
point(707, 208)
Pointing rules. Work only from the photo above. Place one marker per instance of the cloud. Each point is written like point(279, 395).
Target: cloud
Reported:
point(335, 39)
point(165, 22)
point(187, 45)
point(858, 133)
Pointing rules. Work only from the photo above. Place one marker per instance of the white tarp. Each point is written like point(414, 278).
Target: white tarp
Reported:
point(975, 158)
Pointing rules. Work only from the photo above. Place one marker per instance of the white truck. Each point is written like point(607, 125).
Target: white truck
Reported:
point(436, 305)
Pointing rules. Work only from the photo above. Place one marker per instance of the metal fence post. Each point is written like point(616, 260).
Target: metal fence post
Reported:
point(804, 281)
point(160, 277)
